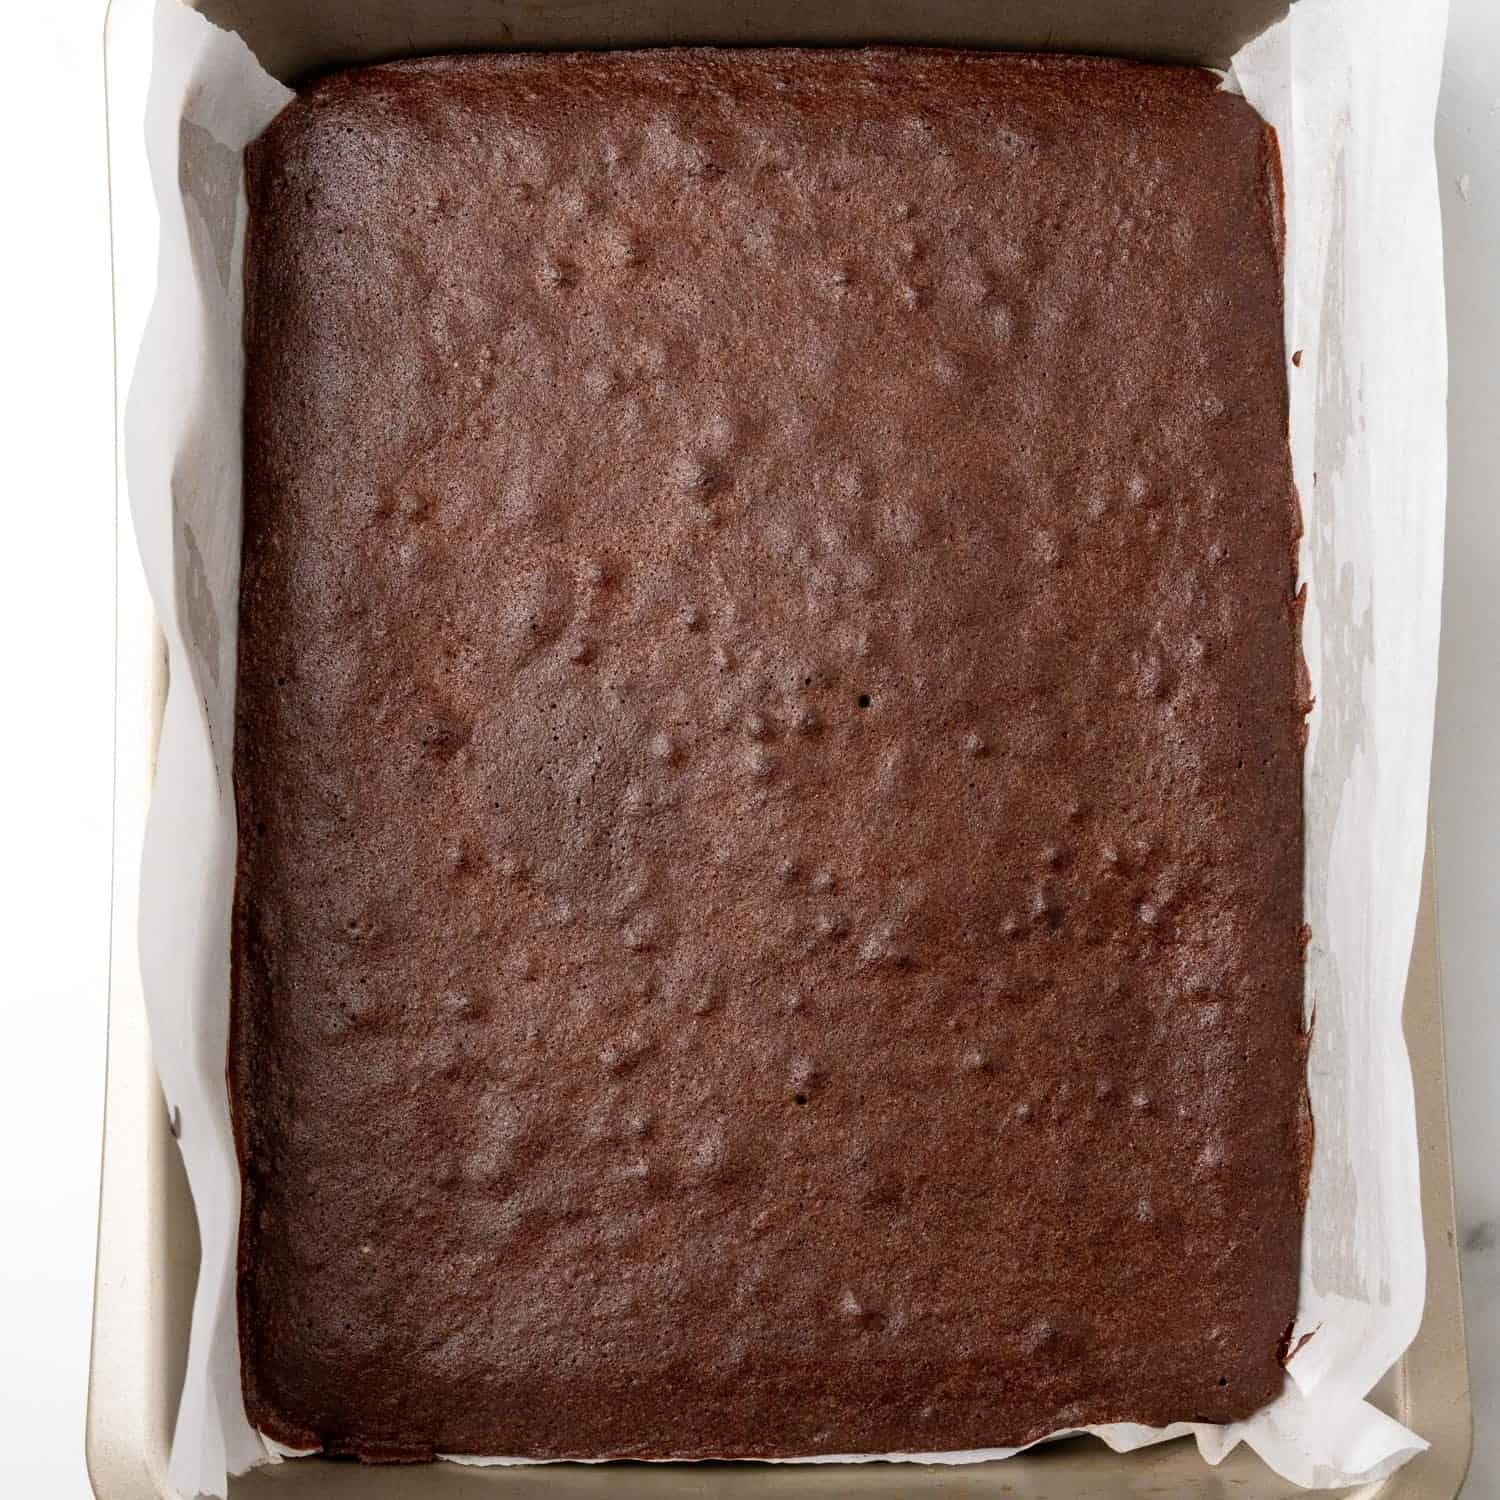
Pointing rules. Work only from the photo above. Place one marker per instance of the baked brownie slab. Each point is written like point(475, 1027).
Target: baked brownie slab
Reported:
point(768, 757)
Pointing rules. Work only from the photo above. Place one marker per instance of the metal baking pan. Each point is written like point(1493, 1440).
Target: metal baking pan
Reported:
point(147, 1251)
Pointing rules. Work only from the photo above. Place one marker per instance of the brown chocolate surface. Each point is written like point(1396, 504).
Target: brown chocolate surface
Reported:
point(768, 757)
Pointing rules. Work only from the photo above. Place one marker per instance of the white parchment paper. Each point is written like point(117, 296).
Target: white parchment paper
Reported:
point(1351, 87)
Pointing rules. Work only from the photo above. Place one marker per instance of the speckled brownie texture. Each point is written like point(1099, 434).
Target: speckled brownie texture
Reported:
point(768, 757)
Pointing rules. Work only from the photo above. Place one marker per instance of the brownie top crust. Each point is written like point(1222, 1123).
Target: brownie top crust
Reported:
point(768, 757)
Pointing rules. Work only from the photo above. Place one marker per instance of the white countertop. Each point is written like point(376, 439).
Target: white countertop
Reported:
point(56, 619)
point(1466, 770)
